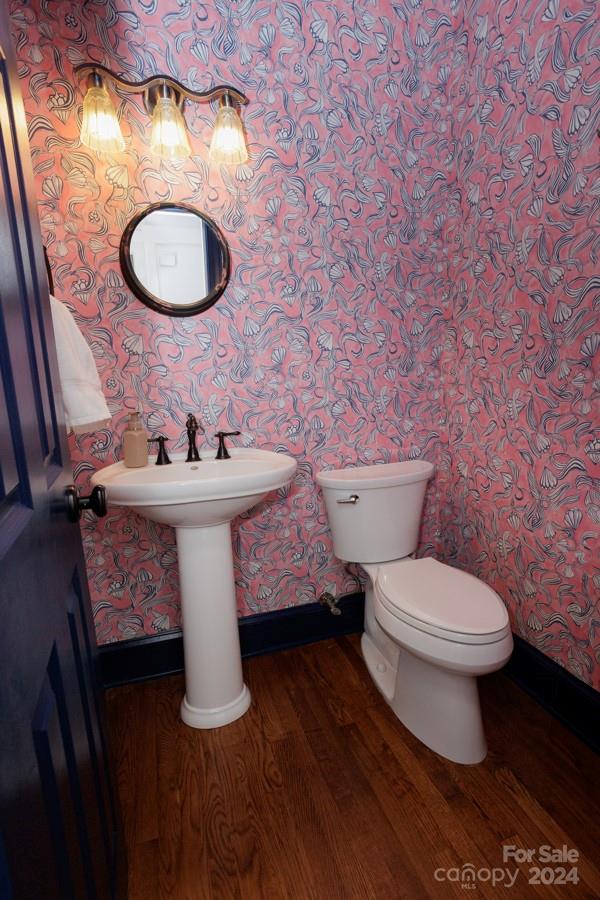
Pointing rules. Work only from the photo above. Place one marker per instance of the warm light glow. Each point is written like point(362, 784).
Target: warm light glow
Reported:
point(169, 137)
point(228, 145)
point(163, 99)
point(100, 129)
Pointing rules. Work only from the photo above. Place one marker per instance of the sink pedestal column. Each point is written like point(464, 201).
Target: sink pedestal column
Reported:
point(215, 693)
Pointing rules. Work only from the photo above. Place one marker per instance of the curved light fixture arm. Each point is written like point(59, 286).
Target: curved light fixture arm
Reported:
point(143, 87)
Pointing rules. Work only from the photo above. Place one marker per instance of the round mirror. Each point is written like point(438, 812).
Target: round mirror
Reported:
point(175, 259)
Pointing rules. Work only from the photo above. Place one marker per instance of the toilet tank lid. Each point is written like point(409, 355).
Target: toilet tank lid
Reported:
point(376, 476)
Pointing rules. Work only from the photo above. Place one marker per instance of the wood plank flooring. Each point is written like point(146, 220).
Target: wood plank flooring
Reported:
point(319, 792)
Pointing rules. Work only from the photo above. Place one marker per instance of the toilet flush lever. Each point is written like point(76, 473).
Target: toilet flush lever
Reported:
point(353, 499)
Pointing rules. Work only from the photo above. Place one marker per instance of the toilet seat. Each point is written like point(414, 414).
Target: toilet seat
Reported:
point(442, 601)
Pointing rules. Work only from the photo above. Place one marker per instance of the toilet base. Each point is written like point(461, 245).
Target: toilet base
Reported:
point(441, 708)
point(381, 670)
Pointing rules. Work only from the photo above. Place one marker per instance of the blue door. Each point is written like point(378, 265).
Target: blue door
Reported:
point(57, 820)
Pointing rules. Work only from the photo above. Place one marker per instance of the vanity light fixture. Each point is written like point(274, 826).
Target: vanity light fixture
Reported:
point(228, 144)
point(100, 129)
point(168, 138)
point(163, 99)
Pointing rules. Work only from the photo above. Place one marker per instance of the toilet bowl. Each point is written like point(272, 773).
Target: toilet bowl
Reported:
point(430, 629)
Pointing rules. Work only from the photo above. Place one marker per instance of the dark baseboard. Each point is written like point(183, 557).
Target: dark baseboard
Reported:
point(149, 657)
point(573, 702)
point(576, 704)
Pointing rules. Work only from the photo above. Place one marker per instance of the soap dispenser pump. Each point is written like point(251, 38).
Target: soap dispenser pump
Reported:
point(135, 443)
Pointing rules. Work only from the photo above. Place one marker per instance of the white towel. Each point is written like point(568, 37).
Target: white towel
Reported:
point(85, 406)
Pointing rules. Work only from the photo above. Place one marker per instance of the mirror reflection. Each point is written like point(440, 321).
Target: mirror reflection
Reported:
point(175, 259)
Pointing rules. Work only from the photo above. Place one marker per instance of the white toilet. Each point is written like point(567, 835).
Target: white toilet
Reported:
point(430, 629)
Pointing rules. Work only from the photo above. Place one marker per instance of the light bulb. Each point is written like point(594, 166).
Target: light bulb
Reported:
point(100, 129)
point(169, 136)
point(228, 144)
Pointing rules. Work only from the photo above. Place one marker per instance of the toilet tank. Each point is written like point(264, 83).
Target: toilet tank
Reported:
point(382, 523)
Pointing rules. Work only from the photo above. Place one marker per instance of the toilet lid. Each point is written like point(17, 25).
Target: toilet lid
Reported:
point(442, 597)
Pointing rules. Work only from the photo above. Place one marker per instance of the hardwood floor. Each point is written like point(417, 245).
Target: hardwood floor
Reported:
point(320, 792)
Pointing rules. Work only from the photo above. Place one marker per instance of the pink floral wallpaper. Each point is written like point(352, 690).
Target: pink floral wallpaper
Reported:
point(414, 245)
point(521, 504)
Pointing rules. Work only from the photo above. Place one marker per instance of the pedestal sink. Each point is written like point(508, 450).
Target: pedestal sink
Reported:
point(199, 500)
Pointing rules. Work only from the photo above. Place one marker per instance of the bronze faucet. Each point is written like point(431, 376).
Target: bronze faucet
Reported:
point(192, 428)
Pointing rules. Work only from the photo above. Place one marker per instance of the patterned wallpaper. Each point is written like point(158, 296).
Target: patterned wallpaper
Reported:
point(414, 241)
point(521, 507)
point(326, 343)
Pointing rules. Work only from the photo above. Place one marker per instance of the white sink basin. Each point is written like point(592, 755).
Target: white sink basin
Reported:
point(197, 494)
point(199, 499)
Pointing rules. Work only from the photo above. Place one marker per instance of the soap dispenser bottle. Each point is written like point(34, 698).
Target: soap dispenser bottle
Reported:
point(135, 443)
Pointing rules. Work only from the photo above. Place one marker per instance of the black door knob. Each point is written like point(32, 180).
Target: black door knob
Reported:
point(76, 504)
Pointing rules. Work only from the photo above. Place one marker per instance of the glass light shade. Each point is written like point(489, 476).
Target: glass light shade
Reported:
point(100, 129)
point(169, 136)
point(228, 145)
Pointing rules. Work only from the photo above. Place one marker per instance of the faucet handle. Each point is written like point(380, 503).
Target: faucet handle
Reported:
point(162, 459)
point(222, 452)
